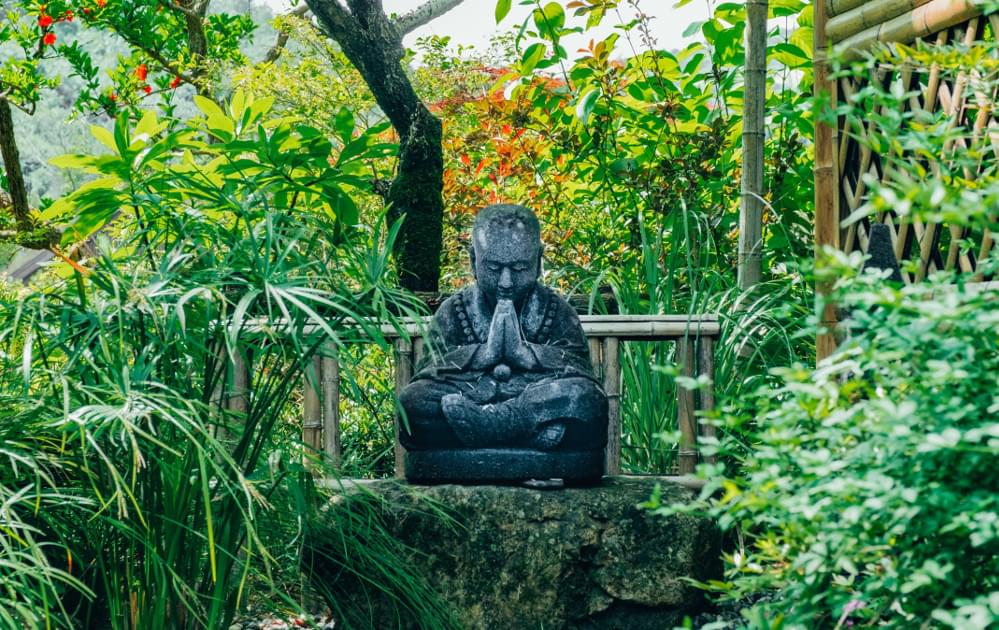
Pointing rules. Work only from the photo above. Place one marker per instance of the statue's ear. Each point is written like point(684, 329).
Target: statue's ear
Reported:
point(471, 256)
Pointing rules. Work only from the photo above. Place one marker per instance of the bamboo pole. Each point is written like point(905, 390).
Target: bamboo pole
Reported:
point(331, 407)
point(906, 28)
point(753, 135)
point(826, 176)
point(838, 7)
point(867, 15)
point(612, 388)
point(403, 374)
point(312, 411)
point(685, 409)
point(706, 367)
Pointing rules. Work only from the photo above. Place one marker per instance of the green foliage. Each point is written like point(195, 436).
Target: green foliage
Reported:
point(182, 488)
point(867, 495)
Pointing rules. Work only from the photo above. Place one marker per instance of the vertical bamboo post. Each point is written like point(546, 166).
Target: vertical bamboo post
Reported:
point(611, 369)
point(685, 408)
point(403, 374)
point(755, 90)
point(237, 398)
point(312, 412)
point(826, 176)
point(331, 406)
point(596, 356)
point(706, 366)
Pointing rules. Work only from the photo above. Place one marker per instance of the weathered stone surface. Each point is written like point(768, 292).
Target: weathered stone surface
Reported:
point(575, 558)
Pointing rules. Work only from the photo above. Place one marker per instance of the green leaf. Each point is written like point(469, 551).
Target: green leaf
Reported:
point(533, 54)
point(502, 9)
point(550, 20)
point(104, 136)
point(586, 104)
point(344, 124)
point(218, 123)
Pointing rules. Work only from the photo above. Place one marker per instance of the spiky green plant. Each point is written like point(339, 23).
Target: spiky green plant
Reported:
point(170, 486)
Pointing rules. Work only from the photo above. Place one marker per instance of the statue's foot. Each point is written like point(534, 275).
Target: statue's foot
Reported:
point(466, 418)
point(549, 437)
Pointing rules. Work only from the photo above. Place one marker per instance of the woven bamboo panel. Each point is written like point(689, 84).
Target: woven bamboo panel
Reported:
point(930, 246)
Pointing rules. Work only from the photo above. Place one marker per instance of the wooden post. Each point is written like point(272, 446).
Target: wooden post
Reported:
point(754, 104)
point(237, 397)
point(312, 412)
point(597, 356)
point(706, 366)
point(331, 406)
point(826, 176)
point(611, 369)
point(685, 409)
point(403, 374)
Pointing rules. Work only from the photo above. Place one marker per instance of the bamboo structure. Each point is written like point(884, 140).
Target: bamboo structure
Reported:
point(753, 136)
point(694, 335)
point(844, 161)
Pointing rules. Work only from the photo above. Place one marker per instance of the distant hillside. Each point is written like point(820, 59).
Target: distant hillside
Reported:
point(55, 129)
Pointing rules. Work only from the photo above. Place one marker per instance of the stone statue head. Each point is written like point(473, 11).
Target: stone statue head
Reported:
point(506, 252)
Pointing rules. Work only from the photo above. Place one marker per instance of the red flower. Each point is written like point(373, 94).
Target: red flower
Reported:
point(68, 16)
point(147, 89)
point(175, 82)
point(86, 11)
point(49, 39)
point(141, 72)
point(113, 97)
point(102, 3)
point(465, 160)
point(505, 129)
point(44, 20)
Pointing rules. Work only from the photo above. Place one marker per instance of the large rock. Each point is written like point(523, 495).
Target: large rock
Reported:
point(516, 557)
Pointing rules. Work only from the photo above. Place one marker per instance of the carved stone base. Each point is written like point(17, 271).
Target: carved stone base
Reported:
point(503, 465)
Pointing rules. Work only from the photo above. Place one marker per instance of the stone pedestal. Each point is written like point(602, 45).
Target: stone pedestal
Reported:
point(499, 465)
point(516, 557)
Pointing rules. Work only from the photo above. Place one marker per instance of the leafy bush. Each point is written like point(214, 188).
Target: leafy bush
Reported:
point(868, 494)
point(160, 475)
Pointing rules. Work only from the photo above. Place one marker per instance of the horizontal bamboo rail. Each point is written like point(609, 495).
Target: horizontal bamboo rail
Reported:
point(922, 21)
point(866, 16)
point(838, 7)
point(695, 336)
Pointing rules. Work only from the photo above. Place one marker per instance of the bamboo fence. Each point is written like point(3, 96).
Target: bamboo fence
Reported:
point(852, 27)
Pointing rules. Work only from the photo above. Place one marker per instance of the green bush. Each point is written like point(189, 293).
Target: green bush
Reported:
point(142, 486)
point(871, 494)
point(868, 494)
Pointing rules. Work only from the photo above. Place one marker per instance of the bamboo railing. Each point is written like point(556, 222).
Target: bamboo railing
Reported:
point(851, 28)
point(694, 335)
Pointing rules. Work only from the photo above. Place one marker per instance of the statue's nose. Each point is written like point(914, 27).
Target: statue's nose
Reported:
point(505, 281)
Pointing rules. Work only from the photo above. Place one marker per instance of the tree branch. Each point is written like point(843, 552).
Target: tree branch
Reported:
point(282, 38)
point(427, 12)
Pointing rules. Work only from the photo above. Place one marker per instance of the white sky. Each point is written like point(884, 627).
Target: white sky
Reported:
point(473, 22)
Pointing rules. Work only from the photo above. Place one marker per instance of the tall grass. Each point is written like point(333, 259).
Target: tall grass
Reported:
point(674, 271)
point(150, 491)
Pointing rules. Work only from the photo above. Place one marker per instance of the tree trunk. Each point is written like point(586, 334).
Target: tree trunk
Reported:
point(374, 45)
point(751, 210)
point(12, 167)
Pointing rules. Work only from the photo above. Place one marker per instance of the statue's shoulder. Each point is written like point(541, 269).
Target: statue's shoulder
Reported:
point(456, 303)
point(558, 305)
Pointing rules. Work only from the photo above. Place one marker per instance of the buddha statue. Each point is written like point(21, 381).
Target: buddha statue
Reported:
point(505, 390)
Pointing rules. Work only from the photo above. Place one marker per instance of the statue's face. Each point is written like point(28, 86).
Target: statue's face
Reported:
point(506, 262)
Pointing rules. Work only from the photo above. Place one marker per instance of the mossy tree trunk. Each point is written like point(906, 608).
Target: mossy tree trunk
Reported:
point(373, 43)
point(12, 169)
